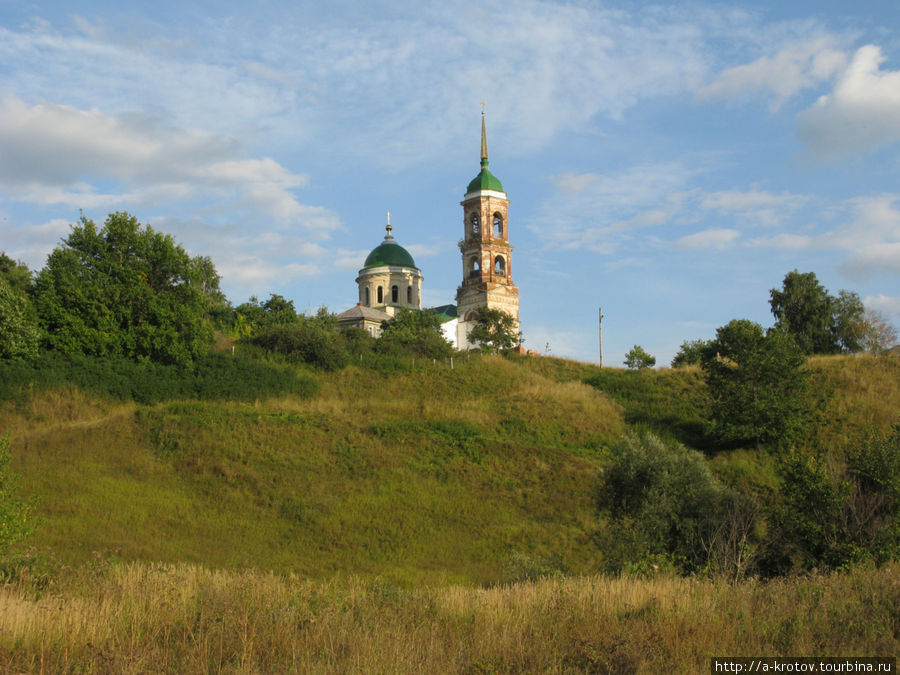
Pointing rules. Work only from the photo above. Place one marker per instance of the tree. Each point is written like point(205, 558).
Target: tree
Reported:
point(16, 519)
point(665, 505)
point(253, 316)
point(690, 353)
point(126, 290)
point(315, 340)
point(16, 273)
point(878, 334)
point(835, 515)
point(415, 332)
point(495, 331)
point(819, 322)
point(638, 359)
point(19, 334)
point(756, 383)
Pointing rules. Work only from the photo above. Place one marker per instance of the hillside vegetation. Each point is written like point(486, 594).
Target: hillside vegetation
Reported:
point(480, 473)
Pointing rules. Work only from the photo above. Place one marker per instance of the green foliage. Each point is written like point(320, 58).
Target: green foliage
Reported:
point(16, 518)
point(253, 316)
point(495, 331)
point(832, 517)
point(125, 290)
point(819, 322)
point(312, 340)
point(414, 332)
point(756, 384)
point(666, 508)
point(16, 273)
point(690, 353)
point(211, 377)
point(19, 334)
point(638, 359)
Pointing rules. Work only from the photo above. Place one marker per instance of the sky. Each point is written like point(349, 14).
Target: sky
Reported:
point(668, 163)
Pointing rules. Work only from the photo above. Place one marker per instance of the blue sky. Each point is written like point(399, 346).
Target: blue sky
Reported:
point(668, 162)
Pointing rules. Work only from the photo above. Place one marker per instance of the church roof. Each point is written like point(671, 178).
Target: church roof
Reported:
point(389, 253)
point(485, 180)
point(363, 312)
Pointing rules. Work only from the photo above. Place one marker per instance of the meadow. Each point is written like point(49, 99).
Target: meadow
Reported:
point(395, 517)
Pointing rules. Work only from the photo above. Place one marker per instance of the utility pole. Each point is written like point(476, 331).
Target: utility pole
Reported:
point(600, 333)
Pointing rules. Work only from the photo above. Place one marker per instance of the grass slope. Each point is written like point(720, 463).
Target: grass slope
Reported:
point(480, 473)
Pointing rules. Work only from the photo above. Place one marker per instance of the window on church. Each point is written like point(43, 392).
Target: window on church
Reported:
point(500, 266)
point(474, 268)
point(409, 295)
point(475, 223)
point(395, 293)
point(380, 295)
point(498, 225)
point(368, 300)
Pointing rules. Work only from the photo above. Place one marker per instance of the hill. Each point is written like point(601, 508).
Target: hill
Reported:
point(478, 473)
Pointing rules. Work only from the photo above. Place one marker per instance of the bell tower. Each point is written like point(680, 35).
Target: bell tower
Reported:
point(486, 251)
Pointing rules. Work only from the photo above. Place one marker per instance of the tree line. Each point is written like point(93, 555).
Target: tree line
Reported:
point(126, 290)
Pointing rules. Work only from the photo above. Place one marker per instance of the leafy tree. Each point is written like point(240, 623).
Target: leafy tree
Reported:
point(690, 353)
point(831, 516)
point(314, 340)
point(495, 331)
point(666, 507)
point(756, 383)
point(16, 519)
point(819, 322)
point(126, 290)
point(19, 334)
point(16, 273)
point(253, 316)
point(638, 359)
point(878, 334)
point(415, 332)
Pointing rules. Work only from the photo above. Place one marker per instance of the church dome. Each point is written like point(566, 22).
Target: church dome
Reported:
point(485, 180)
point(389, 253)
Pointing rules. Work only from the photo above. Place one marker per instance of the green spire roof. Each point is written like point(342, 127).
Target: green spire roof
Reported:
point(485, 180)
point(389, 253)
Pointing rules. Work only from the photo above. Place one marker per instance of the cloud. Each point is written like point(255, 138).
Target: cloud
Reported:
point(715, 238)
point(56, 154)
point(794, 68)
point(756, 207)
point(886, 304)
point(862, 113)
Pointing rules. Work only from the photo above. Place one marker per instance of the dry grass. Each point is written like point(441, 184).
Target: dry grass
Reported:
point(155, 618)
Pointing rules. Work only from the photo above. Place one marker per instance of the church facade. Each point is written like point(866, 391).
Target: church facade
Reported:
point(389, 278)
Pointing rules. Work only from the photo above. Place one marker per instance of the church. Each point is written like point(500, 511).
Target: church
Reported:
point(389, 278)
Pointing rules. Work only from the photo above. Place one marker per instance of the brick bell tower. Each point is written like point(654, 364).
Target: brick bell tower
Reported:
point(486, 252)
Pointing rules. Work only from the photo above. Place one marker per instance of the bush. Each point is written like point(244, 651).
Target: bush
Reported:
point(666, 508)
point(835, 517)
point(308, 341)
point(638, 359)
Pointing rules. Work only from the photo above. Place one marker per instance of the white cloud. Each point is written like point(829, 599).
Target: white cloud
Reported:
point(756, 207)
point(55, 154)
point(715, 238)
point(861, 114)
point(886, 304)
point(796, 67)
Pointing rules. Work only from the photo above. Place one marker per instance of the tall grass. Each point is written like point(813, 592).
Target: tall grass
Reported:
point(181, 618)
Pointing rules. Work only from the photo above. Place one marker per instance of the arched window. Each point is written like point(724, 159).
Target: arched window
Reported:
point(472, 316)
point(500, 266)
point(395, 293)
point(409, 295)
point(498, 225)
point(380, 295)
point(368, 301)
point(474, 267)
point(475, 225)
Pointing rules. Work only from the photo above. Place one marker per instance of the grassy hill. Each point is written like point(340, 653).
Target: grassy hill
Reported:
point(389, 503)
point(480, 473)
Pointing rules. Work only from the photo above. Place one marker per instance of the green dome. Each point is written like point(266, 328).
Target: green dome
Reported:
point(485, 180)
point(389, 254)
